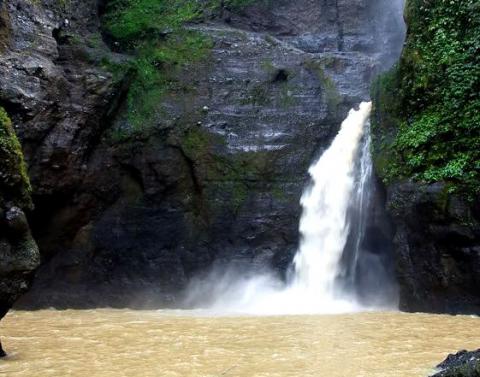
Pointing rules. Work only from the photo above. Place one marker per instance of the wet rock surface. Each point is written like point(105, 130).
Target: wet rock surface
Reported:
point(461, 364)
point(216, 180)
point(19, 255)
point(437, 248)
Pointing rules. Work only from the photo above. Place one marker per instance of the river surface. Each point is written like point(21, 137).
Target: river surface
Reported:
point(101, 343)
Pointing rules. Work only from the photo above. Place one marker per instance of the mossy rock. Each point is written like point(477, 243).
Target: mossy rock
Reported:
point(14, 182)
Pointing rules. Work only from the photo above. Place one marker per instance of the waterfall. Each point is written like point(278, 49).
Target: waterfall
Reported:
point(334, 212)
point(359, 213)
point(324, 225)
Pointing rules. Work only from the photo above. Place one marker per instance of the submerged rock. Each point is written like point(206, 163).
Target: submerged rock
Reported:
point(461, 364)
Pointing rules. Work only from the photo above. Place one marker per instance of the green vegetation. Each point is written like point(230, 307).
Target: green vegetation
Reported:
point(258, 95)
point(14, 182)
point(154, 33)
point(428, 107)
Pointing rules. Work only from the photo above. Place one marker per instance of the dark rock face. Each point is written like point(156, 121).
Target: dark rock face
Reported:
point(437, 248)
point(19, 255)
point(218, 178)
point(461, 364)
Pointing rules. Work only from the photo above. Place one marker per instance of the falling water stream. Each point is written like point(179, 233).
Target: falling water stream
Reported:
point(325, 223)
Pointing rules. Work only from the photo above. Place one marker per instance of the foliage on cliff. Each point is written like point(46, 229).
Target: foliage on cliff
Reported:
point(154, 32)
point(427, 108)
point(14, 183)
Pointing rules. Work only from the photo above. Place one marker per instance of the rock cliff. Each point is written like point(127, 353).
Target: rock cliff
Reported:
point(128, 209)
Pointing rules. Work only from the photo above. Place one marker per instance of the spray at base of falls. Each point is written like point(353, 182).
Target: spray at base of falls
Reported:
point(339, 182)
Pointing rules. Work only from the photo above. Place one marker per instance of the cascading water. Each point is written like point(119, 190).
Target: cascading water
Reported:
point(358, 214)
point(334, 206)
point(324, 224)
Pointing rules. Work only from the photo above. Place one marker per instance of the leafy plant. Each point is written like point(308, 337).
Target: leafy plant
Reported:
point(429, 104)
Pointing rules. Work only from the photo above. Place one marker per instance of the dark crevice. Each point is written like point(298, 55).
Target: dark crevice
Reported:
point(108, 117)
point(135, 174)
point(15, 111)
point(191, 168)
point(199, 204)
point(281, 76)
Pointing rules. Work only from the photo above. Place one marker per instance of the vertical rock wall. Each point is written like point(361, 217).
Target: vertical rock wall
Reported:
point(129, 219)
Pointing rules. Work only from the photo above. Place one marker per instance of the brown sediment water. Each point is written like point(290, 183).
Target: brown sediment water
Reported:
point(104, 343)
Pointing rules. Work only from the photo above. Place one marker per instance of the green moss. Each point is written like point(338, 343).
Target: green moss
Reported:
point(429, 105)
point(197, 144)
point(14, 181)
point(267, 66)
point(286, 98)
point(258, 95)
point(94, 40)
point(153, 32)
point(232, 173)
point(271, 40)
point(332, 96)
point(278, 192)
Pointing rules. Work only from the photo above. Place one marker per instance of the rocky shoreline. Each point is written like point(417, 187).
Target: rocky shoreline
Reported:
point(461, 364)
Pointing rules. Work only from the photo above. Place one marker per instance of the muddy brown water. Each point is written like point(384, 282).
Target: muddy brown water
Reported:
point(107, 343)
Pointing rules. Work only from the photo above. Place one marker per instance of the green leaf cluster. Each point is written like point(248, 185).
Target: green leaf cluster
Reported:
point(428, 107)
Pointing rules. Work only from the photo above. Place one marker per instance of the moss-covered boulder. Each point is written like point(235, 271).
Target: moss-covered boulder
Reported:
point(14, 183)
point(19, 255)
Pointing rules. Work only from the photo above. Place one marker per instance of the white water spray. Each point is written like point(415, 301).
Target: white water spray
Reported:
point(338, 182)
